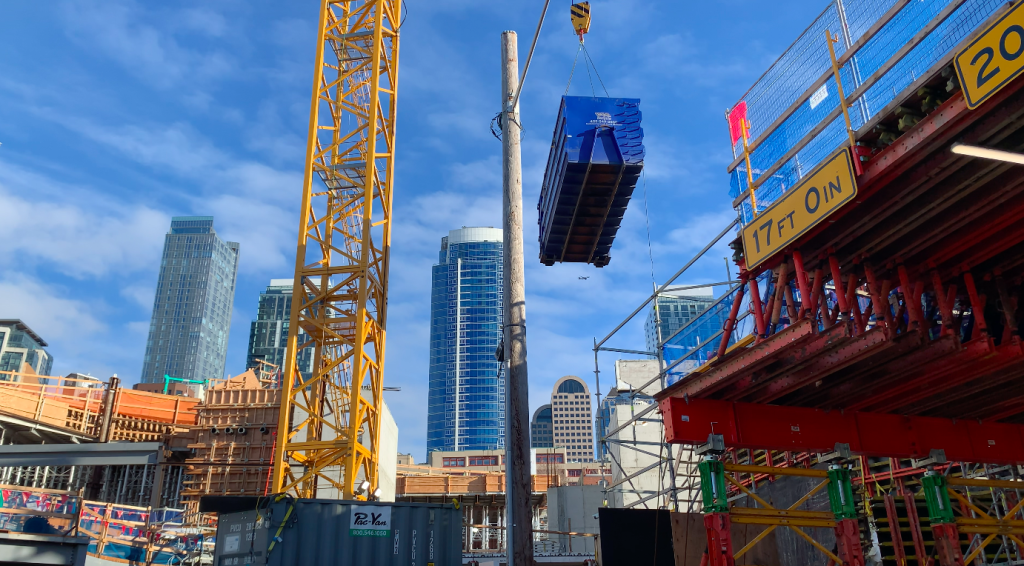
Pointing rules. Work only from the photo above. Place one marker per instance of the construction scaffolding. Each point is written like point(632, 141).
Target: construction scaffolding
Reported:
point(897, 303)
point(677, 486)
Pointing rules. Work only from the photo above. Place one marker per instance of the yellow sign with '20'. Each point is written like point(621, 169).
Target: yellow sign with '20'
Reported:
point(819, 194)
point(994, 59)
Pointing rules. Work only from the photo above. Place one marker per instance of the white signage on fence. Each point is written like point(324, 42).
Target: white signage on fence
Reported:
point(819, 95)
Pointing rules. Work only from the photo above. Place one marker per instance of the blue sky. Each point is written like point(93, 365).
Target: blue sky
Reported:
point(116, 115)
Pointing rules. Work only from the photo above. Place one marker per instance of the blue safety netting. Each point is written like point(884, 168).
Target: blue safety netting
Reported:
point(807, 60)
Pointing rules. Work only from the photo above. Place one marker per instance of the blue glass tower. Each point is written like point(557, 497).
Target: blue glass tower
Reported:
point(466, 400)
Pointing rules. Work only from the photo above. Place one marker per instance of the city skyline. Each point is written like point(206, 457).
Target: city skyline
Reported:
point(191, 321)
point(466, 399)
point(212, 120)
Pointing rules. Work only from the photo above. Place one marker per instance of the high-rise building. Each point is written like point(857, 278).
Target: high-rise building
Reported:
point(188, 334)
point(674, 311)
point(268, 334)
point(540, 428)
point(20, 346)
point(635, 385)
point(466, 400)
point(572, 419)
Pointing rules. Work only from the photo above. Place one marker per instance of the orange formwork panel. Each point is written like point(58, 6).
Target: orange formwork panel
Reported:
point(156, 407)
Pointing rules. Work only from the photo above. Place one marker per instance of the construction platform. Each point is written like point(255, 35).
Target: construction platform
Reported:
point(904, 299)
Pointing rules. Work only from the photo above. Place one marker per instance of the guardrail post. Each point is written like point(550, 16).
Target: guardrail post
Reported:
point(716, 513)
point(943, 523)
point(108, 408)
point(844, 507)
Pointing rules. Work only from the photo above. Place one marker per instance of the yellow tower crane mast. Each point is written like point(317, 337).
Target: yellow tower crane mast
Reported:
point(329, 428)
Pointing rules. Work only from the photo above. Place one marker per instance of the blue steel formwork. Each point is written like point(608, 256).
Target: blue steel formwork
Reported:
point(885, 46)
point(596, 157)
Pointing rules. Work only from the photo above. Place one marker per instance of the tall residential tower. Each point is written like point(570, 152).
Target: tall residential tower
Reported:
point(466, 403)
point(188, 334)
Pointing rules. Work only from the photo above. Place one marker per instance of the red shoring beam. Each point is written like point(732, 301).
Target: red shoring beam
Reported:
point(755, 299)
point(802, 284)
point(837, 283)
point(798, 429)
point(730, 323)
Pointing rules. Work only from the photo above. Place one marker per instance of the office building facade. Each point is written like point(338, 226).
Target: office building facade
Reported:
point(268, 334)
point(19, 345)
point(674, 311)
point(466, 398)
point(572, 419)
point(540, 428)
point(635, 385)
point(188, 333)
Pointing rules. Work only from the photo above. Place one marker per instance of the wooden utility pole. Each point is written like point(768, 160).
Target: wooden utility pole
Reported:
point(517, 413)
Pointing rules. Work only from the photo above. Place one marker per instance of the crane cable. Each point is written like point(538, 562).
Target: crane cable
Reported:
point(529, 57)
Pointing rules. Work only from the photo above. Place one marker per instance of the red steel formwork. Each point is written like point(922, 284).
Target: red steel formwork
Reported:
point(928, 264)
point(903, 305)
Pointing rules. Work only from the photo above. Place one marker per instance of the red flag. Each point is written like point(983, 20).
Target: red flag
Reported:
point(737, 117)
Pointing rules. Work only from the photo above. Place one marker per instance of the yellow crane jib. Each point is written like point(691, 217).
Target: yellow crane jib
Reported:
point(580, 14)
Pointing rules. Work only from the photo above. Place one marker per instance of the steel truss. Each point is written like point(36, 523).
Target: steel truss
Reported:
point(332, 417)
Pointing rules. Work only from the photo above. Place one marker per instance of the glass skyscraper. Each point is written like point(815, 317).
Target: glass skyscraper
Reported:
point(268, 335)
point(540, 428)
point(188, 334)
point(674, 311)
point(20, 346)
point(466, 399)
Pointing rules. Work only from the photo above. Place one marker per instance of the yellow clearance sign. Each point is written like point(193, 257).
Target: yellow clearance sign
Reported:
point(822, 192)
point(994, 59)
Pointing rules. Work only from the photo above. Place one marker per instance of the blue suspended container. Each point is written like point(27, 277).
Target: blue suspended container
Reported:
point(597, 155)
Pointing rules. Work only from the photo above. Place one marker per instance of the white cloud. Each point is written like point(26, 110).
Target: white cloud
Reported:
point(253, 203)
point(118, 30)
point(142, 295)
point(699, 232)
point(204, 21)
point(46, 308)
point(73, 230)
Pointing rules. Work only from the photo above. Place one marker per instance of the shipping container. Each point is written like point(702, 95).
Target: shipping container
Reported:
point(335, 533)
point(597, 155)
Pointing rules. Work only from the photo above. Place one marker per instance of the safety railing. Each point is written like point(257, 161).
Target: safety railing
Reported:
point(39, 511)
point(53, 401)
point(791, 118)
point(77, 405)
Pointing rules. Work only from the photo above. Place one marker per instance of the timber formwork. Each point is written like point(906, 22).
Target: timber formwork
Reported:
point(233, 441)
point(63, 410)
